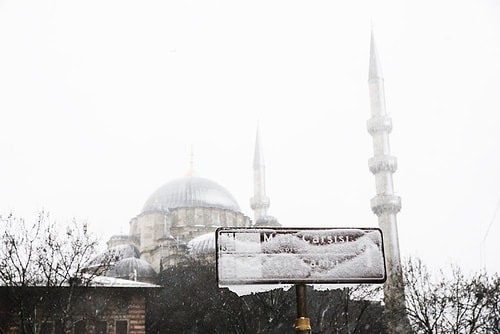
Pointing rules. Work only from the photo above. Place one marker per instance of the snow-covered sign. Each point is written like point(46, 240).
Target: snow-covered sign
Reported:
point(299, 255)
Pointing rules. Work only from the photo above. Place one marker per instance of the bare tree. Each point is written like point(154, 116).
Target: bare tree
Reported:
point(468, 302)
point(493, 318)
point(450, 302)
point(425, 298)
point(41, 255)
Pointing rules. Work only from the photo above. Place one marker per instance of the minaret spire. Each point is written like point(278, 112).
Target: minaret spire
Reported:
point(386, 204)
point(258, 157)
point(375, 71)
point(191, 171)
point(259, 202)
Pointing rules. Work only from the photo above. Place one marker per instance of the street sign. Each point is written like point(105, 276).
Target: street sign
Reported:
point(299, 255)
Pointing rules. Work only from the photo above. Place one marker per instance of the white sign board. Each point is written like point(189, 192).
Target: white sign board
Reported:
point(299, 255)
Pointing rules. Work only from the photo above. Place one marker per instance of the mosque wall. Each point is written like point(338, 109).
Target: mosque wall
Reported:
point(163, 237)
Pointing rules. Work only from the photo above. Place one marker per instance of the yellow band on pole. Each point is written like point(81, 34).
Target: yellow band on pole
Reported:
point(302, 324)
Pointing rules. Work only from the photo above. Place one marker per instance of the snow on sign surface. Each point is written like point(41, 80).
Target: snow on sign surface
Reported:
point(299, 255)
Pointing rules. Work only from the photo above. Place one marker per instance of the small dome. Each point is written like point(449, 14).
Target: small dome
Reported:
point(113, 255)
point(191, 191)
point(204, 244)
point(118, 240)
point(133, 269)
point(119, 237)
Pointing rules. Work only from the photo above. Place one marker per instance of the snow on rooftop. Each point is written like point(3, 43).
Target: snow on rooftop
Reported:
point(112, 282)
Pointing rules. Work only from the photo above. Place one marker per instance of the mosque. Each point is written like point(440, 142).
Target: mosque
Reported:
point(179, 219)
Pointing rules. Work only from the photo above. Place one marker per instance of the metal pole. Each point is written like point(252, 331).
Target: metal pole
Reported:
point(302, 323)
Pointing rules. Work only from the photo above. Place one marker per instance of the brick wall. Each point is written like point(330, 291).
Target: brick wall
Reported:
point(103, 305)
point(137, 315)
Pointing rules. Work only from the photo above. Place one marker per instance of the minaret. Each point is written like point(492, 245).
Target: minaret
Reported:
point(386, 204)
point(260, 202)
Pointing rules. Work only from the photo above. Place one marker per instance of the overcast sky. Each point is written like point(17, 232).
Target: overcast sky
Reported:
point(101, 102)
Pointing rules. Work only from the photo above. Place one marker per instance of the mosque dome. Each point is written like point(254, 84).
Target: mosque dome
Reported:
point(204, 244)
point(190, 191)
point(132, 268)
point(113, 255)
point(121, 252)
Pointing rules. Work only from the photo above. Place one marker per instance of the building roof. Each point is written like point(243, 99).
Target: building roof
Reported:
point(113, 282)
point(96, 281)
point(190, 191)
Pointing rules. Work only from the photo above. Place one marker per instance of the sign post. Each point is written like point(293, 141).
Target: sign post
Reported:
point(302, 323)
point(299, 256)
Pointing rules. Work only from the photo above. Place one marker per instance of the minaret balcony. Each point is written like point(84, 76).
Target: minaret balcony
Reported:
point(260, 202)
point(383, 163)
point(385, 203)
point(378, 124)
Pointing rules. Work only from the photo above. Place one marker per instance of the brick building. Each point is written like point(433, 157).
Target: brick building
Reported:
point(107, 306)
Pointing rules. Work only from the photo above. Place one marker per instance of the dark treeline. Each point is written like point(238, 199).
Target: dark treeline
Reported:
point(444, 302)
point(191, 302)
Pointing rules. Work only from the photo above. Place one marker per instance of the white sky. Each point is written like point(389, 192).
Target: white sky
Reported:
point(101, 101)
